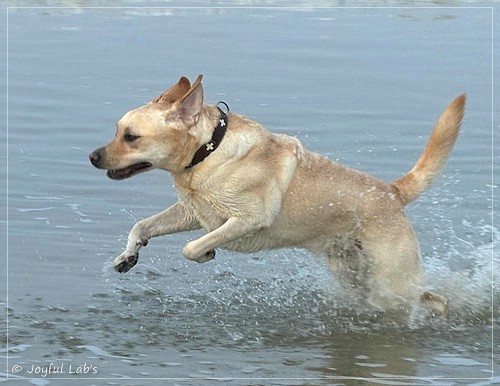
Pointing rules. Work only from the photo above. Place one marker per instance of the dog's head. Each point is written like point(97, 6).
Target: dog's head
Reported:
point(161, 134)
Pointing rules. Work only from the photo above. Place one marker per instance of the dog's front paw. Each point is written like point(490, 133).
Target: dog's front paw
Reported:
point(125, 262)
point(210, 255)
point(191, 255)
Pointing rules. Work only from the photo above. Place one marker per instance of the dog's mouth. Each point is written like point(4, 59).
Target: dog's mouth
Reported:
point(129, 171)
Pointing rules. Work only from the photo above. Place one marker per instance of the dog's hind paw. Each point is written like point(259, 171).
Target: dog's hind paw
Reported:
point(125, 262)
point(437, 303)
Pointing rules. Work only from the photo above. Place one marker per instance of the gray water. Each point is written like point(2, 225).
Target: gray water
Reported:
point(363, 86)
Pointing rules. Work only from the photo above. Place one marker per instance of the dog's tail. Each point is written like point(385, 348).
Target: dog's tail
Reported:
point(435, 154)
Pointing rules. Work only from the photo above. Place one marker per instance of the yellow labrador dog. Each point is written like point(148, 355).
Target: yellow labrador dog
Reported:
point(253, 190)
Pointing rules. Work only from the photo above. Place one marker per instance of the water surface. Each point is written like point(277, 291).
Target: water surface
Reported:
point(363, 86)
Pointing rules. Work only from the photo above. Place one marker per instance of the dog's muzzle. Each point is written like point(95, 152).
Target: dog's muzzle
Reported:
point(97, 159)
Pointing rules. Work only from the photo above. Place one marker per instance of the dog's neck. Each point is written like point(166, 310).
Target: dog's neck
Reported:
point(217, 136)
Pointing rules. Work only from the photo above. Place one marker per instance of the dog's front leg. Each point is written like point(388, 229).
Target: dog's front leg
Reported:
point(177, 218)
point(203, 249)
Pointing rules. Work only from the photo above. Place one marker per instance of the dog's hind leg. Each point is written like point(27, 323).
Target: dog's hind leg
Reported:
point(395, 267)
point(177, 218)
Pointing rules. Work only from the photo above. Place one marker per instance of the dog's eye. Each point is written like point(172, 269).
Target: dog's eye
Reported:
point(130, 137)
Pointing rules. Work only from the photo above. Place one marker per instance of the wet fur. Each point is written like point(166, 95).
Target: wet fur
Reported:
point(261, 191)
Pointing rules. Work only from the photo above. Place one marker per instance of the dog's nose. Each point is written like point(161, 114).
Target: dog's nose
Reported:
point(95, 157)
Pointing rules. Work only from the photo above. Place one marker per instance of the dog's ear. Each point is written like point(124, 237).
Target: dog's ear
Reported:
point(174, 93)
point(190, 104)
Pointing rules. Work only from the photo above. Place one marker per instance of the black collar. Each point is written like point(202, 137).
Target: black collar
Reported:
point(208, 148)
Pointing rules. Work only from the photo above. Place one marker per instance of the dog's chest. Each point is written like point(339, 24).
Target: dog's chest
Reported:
point(207, 208)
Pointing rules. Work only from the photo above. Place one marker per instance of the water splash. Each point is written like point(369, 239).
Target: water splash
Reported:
point(466, 277)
